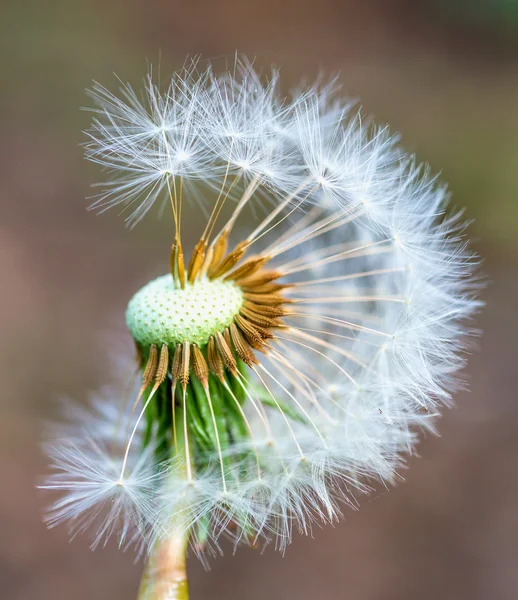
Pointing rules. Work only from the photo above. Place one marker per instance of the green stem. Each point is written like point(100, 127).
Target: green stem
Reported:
point(165, 574)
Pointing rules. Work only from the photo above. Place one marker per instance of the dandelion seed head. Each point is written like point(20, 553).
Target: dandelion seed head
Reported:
point(161, 314)
point(289, 361)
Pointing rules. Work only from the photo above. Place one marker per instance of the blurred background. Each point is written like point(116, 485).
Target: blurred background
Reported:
point(442, 72)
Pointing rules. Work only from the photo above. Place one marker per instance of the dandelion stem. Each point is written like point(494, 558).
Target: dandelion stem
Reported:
point(165, 575)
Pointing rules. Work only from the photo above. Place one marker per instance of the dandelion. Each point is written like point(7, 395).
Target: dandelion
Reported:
point(289, 364)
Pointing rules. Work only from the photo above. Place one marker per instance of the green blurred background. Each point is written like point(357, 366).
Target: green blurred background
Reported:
point(442, 72)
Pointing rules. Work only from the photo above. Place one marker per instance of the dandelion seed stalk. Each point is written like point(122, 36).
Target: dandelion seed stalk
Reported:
point(287, 361)
point(165, 573)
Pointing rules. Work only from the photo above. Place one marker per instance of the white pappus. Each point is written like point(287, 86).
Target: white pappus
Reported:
point(350, 297)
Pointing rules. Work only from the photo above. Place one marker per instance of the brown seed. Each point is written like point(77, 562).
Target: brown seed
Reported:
point(172, 260)
point(215, 362)
point(163, 363)
point(219, 251)
point(199, 365)
point(151, 366)
point(198, 255)
point(226, 335)
point(185, 364)
point(230, 260)
point(266, 299)
point(242, 347)
point(252, 336)
point(266, 288)
point(255, 331)
point(251, 266)
point(259, 320)
point(226, 353)
point(176, 263)
point(261, 278)
point(176, 368)
point(265, 310)
point(181, 266)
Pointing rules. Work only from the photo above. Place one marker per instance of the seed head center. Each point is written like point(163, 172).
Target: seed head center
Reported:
point(163, 313)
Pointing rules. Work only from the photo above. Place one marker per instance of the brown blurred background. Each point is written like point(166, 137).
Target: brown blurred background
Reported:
point(445, 74)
